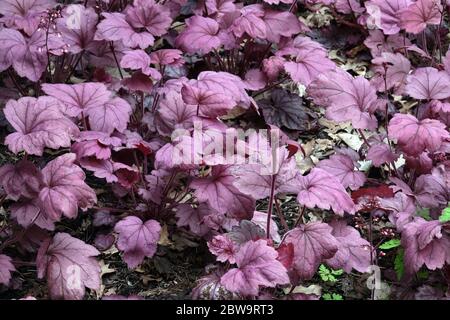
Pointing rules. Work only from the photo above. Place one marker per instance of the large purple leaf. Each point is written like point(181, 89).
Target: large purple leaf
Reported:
point(220, 193)
point(346, 98)
point(116, 28)
point(226, 83)
point(24, 14)
point(385, 14)
point(344, 167)
point(392, 70)
point(432, 190)
point(201, 35)
point(310, 60)
point(137, 239)
point(257, 267)
point(250, 21)
point(110, 116)
point(419, 14)
point(13, 45)
point(210, 104)
point(414, 136)
point(320, 188)
point(29, 212)
point(425, 243)
point(193, 217)
point(402, 209)
point(78, 98)
point(353, 251)
point(280, 24)
point(155, 18)
point(80, 37)
point(174, 114)
point(20, 180)
point(39, 124)
point(69, 266)
point(428, 83)
point(64, 188)
point(252, 179)
point(313, 243)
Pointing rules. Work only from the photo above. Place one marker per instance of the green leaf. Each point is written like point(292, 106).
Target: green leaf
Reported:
point(325, 274)
point(332, 296)
point(424, 213)
point(329, 275)
point(394, 243)
point(445, 216)
point(338, 272)
point(423, 274)
point(399, 266)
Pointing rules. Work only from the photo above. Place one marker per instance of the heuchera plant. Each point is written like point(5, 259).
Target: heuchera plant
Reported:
point(190, 113)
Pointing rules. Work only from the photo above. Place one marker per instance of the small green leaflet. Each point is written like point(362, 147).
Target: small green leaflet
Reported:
point(332, 296)
point(329, 275)
point(394, 243)
point(445, 216)
point(423, 274)
point(398, 264)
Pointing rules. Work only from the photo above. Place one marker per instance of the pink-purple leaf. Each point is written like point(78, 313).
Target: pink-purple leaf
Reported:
point(193, 217)
point(155, 18)
point(69, 265)
point(64, 189)
point(353, 251)
point(24, 14)
point(210, 104)
point(428, 83)
point(425, 243)
point(174, 114)
point(313, 243)
point(13, 45)
point(223, 248)
point(201, 35)
point(110, 116)
point(78, 98)
point(320, 188)
point(384, 14)
point(344, 167)
point(29, 212)
point(220, 193)
point(80, 37)
point(432, 190)
point(257, 267)
point(309, 60)
point(20, 180)
point(250, 21)
point(419, 14)
point(380, 153)
point(346, 98)
point(280, 24)
point(116, 28)
point(137, 239)
point(6, 268)
point(136, 60)
point(39, 124)
point(392, 70)
point(226, 83)
point(414, 136)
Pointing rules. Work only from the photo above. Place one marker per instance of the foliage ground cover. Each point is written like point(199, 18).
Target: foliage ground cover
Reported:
point(220, 149)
